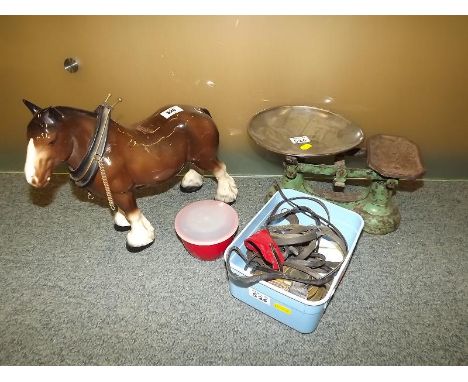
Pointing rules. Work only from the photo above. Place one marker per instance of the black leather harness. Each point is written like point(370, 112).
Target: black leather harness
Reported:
point(88, 167)
point(304, 265)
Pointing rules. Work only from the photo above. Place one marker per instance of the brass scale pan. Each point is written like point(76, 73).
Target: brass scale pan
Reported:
point(304, 131)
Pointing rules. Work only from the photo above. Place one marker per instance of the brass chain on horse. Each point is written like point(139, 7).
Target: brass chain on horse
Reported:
point(101, 165)
point(105, 183)
point(84, 173)
point(102, 170)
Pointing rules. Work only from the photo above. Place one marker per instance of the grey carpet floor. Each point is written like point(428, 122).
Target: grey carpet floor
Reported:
point(71, 294)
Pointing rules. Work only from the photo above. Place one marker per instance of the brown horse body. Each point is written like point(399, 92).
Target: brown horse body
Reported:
point(149, 152)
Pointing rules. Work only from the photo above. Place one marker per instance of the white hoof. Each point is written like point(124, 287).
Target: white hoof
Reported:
point(139, 238)
point(120, 220)
point(147, 224)
point(227, 189)
point(142, 232)
point(192, 179)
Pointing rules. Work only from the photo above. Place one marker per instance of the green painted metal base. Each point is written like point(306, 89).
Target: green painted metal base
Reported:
point(374, 203)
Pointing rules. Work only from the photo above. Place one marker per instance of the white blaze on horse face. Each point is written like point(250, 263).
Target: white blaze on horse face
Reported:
point(29, 167)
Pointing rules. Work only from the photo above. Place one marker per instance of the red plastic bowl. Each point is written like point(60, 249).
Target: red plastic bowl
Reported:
point(206, 228)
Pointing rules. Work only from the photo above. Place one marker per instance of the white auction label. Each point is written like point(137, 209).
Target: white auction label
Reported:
point(171, 111)
point(259, 296)
point(303, 139)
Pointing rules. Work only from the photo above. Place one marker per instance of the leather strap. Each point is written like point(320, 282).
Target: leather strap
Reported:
point(292, 234)
point(300, 245)
point(88, 167)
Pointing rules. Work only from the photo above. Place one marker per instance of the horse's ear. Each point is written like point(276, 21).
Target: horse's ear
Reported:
point(32, 108)
point(56, 113)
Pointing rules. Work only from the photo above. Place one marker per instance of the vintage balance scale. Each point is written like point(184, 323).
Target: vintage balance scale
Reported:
point(305, 133)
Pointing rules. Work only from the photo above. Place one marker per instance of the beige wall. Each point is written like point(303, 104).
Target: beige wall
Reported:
point(396, 75)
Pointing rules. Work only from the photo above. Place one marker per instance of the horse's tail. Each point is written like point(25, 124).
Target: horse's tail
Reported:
point(206, 111)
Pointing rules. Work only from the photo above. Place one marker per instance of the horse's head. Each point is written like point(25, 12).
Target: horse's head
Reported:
point(47, 144)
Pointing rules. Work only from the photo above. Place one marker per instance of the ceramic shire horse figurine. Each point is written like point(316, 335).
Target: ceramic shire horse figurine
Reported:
point(149, 152)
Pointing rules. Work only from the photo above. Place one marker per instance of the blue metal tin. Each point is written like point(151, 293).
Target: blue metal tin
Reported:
point(292, 310)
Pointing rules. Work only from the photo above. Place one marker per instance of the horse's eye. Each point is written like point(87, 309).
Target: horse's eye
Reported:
point(52, 142)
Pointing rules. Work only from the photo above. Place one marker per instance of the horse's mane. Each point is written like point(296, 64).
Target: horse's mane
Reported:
point(72, 110)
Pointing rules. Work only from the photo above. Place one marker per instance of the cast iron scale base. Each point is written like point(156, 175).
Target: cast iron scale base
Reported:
point(302, 133)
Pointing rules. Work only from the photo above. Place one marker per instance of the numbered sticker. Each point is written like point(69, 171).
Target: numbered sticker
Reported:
point(259, 296)
point(299, 140)
point(168, 113)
